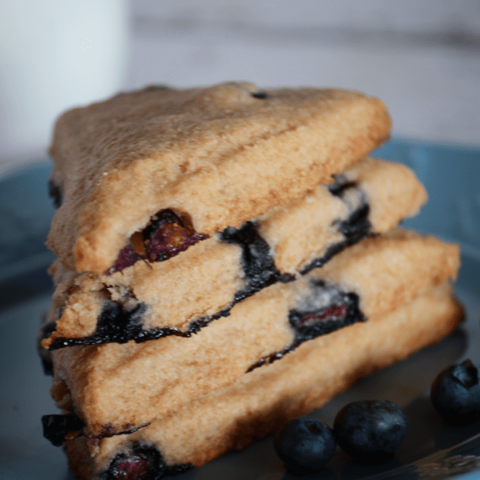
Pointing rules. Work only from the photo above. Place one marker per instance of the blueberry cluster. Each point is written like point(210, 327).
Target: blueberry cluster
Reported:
point(370, 431)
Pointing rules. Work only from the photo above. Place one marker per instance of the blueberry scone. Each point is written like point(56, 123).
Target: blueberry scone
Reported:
point(140, 300)
point(232, 417)
point(115, 388)
point(259, 209)
point(218, 156)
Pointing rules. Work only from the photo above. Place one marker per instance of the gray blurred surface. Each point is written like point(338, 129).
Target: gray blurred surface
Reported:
point(422, 58)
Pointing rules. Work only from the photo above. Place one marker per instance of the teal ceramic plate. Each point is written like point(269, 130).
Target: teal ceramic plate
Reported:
point(431, 448)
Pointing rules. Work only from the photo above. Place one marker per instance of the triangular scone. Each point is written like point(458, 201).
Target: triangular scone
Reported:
point(220, 155)
point(117, 387)
point(232, 417)
point(187, 292)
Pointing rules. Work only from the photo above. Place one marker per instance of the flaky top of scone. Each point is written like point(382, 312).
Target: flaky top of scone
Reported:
point(221, 155)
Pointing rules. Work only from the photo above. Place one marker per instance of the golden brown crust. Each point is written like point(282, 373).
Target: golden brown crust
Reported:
point(204, 279)
point(116, 384)
point(301, 231)
point(392, 269)
point(218, 154)
point(232, 417)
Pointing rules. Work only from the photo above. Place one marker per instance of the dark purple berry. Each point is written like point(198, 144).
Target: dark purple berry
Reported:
point(55, 193)
point(132, 468)
point(261, 95)
point(305, 445)
point(141, 462)
point(370, 430)
point(126, 258)
point(167, 234)
point(58, 428)
point(455, 394)
point(343, 310)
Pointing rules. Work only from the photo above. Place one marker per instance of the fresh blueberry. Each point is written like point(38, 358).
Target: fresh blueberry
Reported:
point(370, 430)
point(455, 393)
point(305, 445)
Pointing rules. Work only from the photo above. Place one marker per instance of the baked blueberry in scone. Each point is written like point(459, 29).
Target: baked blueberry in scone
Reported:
point(215, 273)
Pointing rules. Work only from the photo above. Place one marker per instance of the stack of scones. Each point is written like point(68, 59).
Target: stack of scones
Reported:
point(228, 259)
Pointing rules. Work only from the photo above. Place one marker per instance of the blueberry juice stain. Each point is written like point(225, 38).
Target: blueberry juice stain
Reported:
point(354, 228)
point(115, 323)
point(310, 320)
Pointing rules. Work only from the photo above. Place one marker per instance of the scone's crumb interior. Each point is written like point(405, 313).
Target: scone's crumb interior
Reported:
point(223, 270)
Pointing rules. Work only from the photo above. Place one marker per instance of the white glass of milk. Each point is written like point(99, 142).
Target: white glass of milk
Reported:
point(55, 54)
